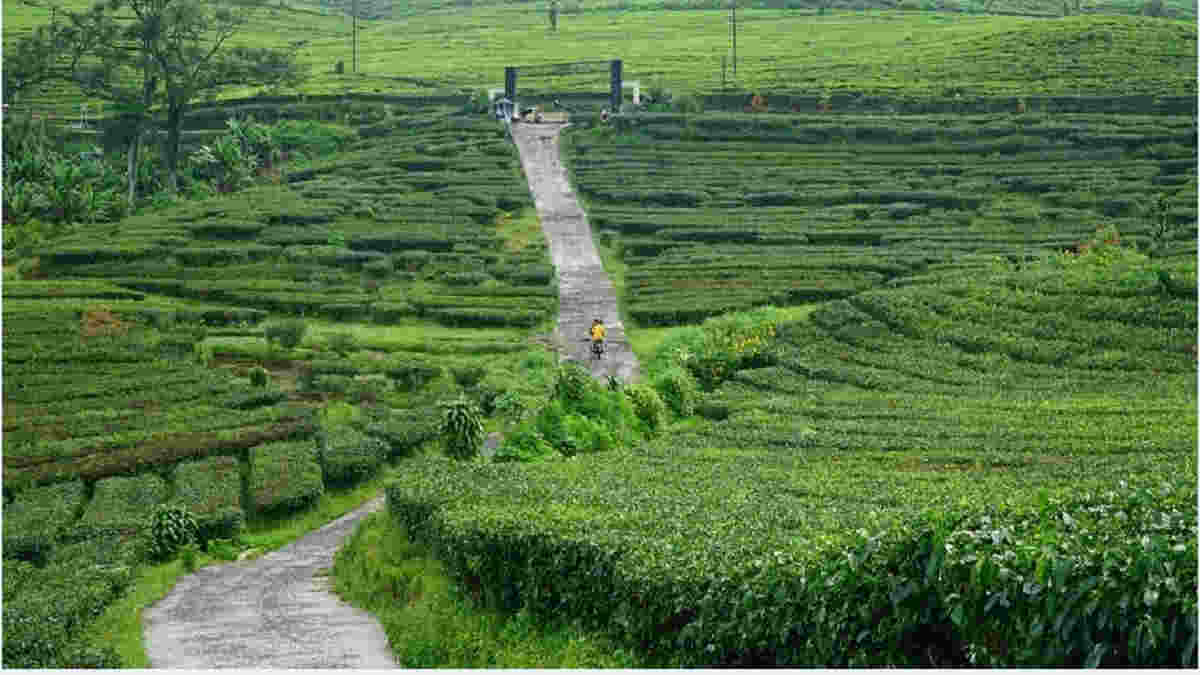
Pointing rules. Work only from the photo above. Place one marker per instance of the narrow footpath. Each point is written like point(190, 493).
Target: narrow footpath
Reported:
point(584, 289)
point(274, 612)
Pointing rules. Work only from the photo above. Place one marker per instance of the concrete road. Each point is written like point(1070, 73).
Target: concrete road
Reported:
point(274, 612)
point(584, 289)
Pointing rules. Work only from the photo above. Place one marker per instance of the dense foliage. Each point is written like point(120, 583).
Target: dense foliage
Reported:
point(789, 209)
point(883, 493)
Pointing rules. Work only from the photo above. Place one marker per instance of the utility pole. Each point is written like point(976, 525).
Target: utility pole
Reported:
point(354, 30)
point(733, 25)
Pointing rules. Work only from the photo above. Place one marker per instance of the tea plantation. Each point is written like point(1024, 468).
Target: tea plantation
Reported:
point(713, 213)
point(994, 468)
point(131, 353)
point(972, 441)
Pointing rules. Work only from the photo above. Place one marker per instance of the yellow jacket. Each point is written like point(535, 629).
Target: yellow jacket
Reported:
point(597, 331)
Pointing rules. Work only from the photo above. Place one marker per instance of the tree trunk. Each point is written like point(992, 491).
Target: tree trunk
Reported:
point(174, 133)
point(134, 145)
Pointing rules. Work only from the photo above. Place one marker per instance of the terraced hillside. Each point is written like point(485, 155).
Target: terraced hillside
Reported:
point(720, 212)
point(148, 364)
point(403, 227)
point(996, 468)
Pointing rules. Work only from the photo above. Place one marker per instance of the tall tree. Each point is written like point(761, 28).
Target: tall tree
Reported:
point(191, 55)
point(51, 52)
point(121, 72)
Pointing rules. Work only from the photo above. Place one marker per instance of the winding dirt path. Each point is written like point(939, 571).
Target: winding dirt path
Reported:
point(584, 289)
point(274, 612)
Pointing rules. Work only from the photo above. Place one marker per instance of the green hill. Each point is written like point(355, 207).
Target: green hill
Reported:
point(926, 55)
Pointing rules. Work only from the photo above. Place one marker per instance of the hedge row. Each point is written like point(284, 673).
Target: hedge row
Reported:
point(706, 573)
point(284, 476)
point(348, 456)
point(123, 503)
point(39, 516)
point(211, 489)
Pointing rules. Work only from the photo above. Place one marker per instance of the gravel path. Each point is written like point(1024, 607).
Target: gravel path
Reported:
point(273, 612)
point(584, 289)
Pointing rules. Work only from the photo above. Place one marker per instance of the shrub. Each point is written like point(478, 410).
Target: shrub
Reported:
point(211, 490)
point(678, 390)
point(404, 430)
point(124, 503)
point(342, 343)
point(288, 333)
point(461, 428)
point(378, 269)
point(284, 476)
point(648, 405)
point(468, 376)
point(47, 609)
point(38, 516)
point(523, 445)
point(348, 456)
point(259, 376)
point(572, 382)
point(412, 375)
point(171, 527)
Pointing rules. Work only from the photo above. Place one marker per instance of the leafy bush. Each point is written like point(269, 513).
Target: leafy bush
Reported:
point(211, 490)
point(572, 382)
point(704, 573)
point(38, 516)
point(124, 503)
point(461, 429)
point(284, 476)
point(648, 405)
point(678, 390)
point(404, 430)
point(348, 456)
point(288, 333)
point(259, 376)
point(412, 375)
point(170, 527)
point(525, 444)
point(468, 376)
point(46, 611)
point(342, 343)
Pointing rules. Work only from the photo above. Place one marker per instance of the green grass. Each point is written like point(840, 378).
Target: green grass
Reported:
point(431, 622)
point(121, 623)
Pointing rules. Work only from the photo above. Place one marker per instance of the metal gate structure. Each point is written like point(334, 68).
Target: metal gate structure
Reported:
point(575, 67)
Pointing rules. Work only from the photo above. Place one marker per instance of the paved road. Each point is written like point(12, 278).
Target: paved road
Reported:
point(584, 289)
point(273, 612)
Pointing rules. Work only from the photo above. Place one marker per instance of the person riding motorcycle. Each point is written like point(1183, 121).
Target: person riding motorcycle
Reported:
point(597, 337)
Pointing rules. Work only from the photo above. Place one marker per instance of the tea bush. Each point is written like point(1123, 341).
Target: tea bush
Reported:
point(348, 456)
point(678, 390)
point(287, 333)
point(648, 406)
point(284, 476)
point(38, 517)
point(211, 490)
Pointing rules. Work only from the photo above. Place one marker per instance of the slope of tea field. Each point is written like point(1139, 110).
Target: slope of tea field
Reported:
point(928, 56)
point(712, 213)
point(146, 364)
point(998, 468)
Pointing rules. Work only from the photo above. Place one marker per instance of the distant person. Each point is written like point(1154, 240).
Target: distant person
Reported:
point(597, 338)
